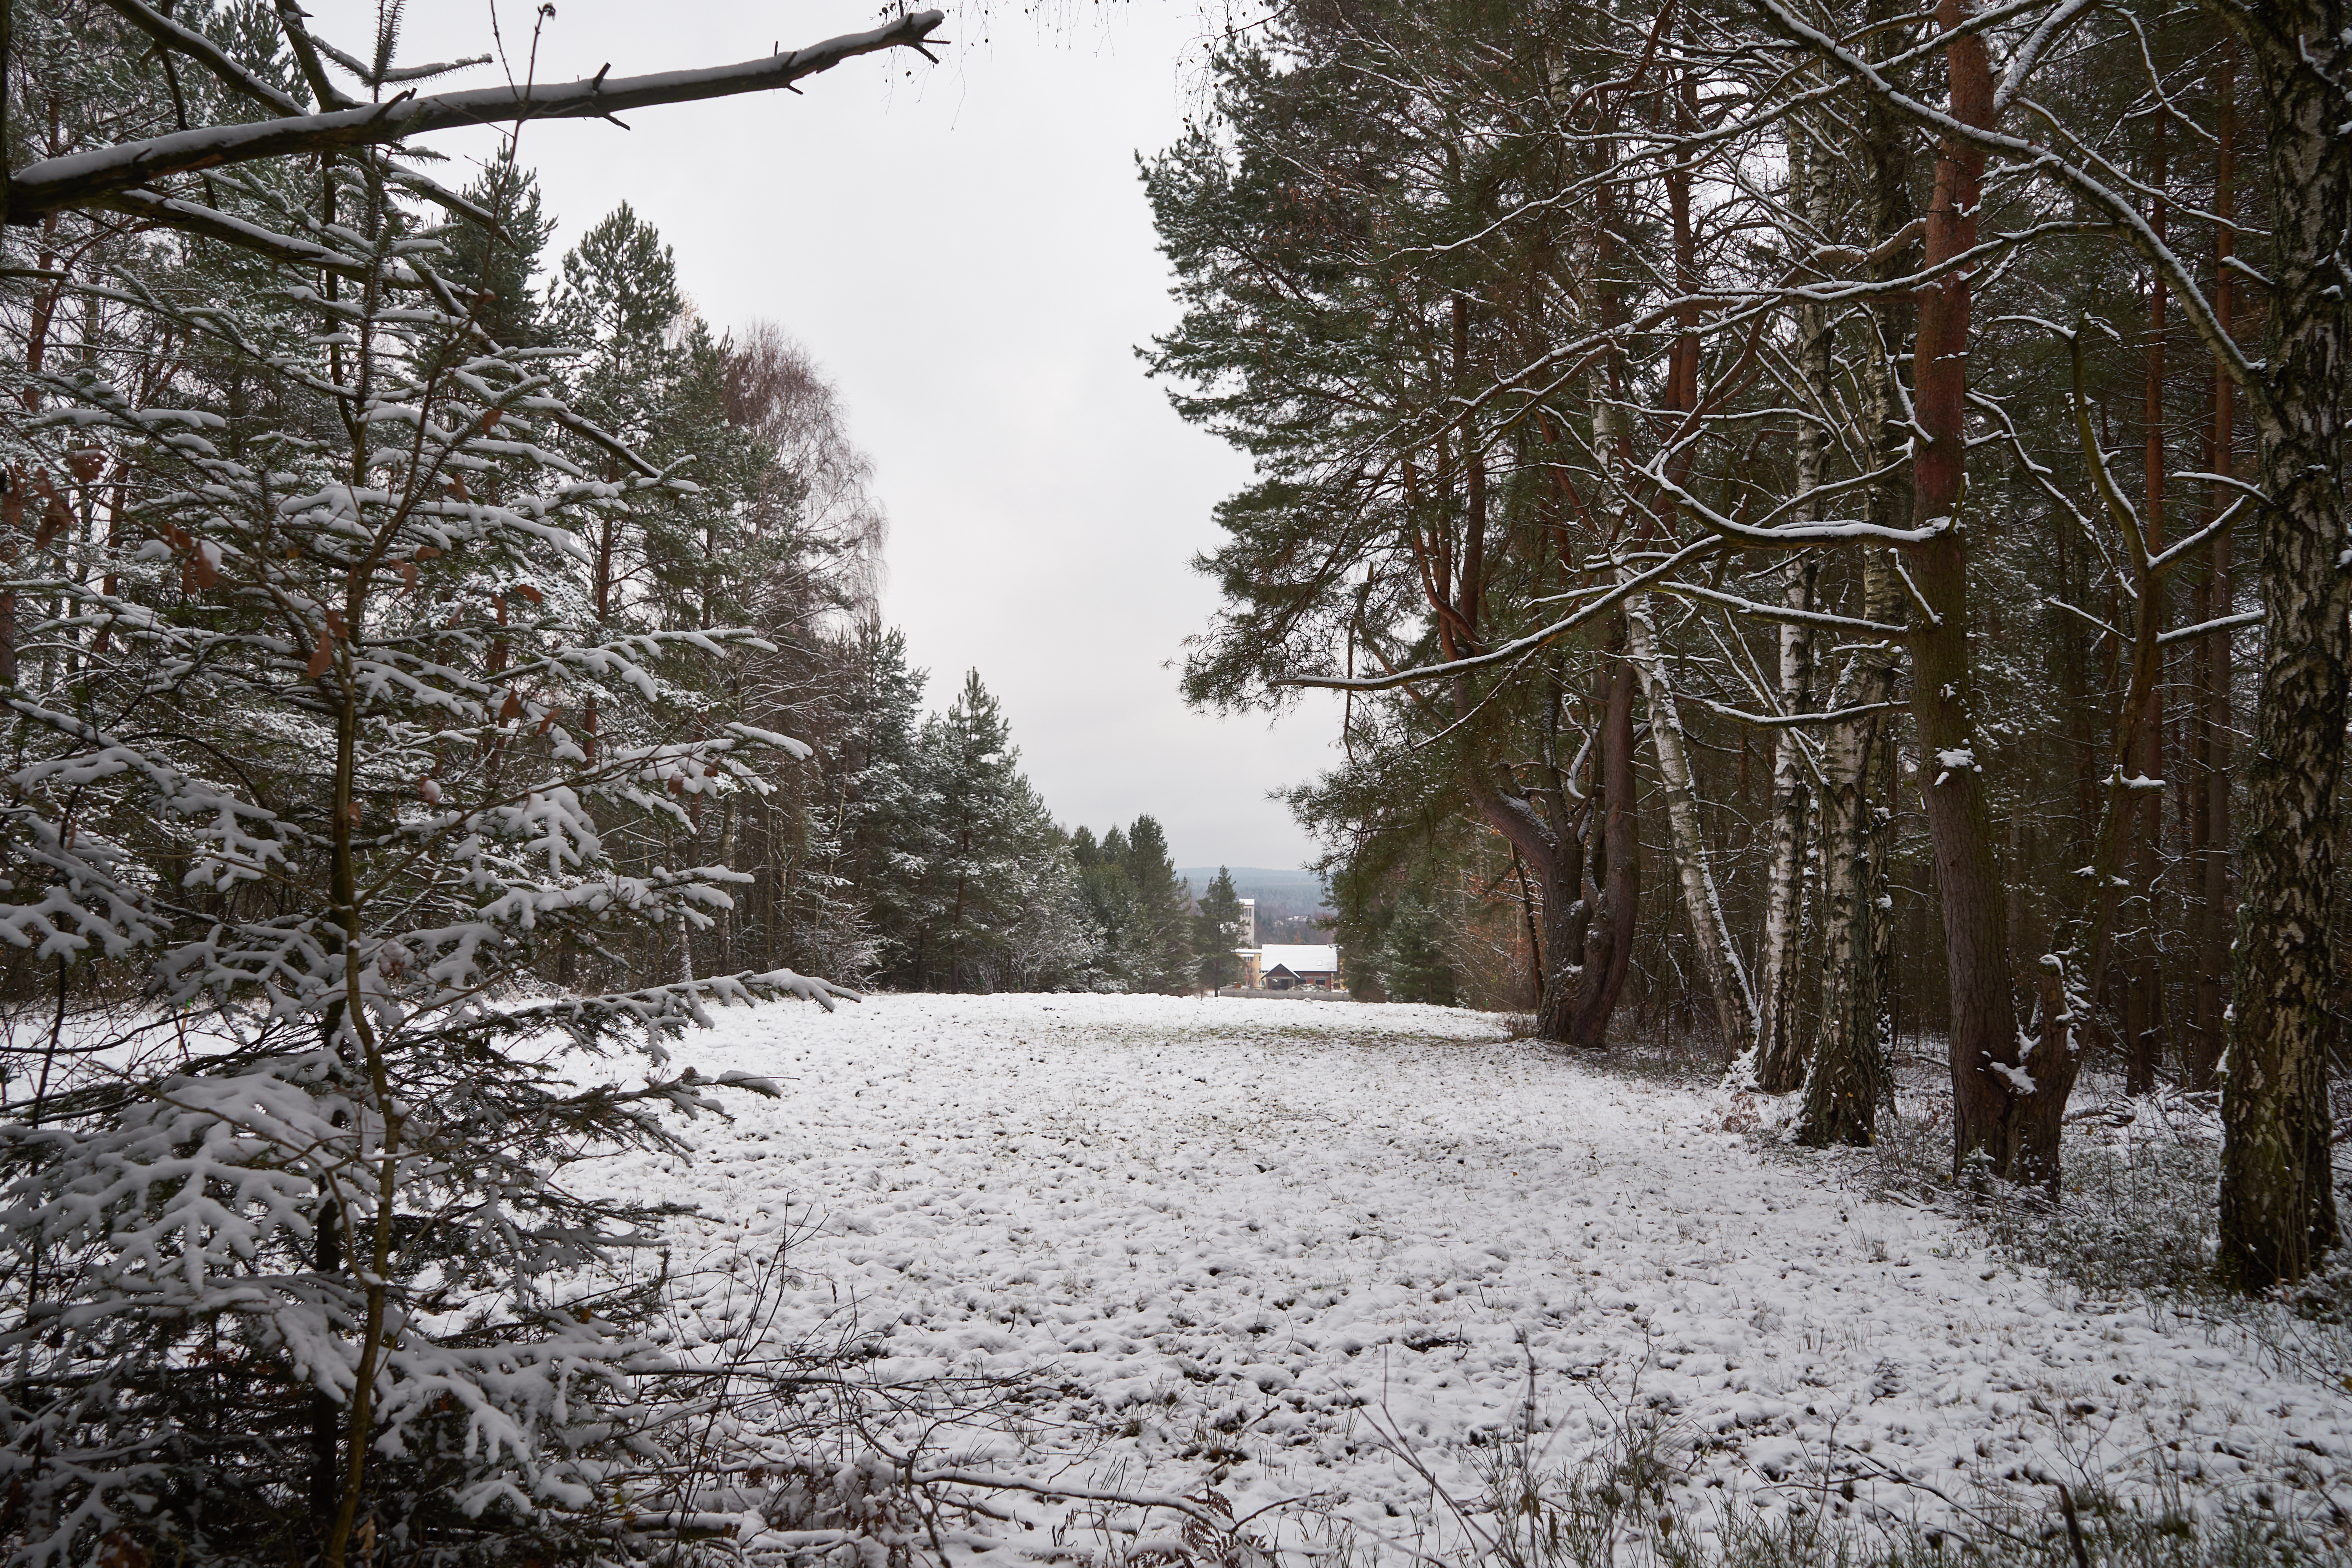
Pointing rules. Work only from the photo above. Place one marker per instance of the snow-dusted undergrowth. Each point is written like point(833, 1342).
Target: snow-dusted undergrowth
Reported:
point(1278, 1249)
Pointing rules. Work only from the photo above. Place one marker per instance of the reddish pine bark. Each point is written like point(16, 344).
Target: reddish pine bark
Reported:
point(1992, 1088)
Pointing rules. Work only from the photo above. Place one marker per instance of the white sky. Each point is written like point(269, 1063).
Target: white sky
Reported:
point(968, 253)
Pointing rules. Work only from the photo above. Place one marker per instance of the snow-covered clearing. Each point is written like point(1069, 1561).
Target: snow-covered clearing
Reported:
point(1268, 1246)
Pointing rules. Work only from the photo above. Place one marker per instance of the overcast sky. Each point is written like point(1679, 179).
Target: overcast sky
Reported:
point(967, 252)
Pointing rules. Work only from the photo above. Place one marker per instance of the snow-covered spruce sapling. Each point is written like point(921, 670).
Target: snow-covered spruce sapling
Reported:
point(305, 784)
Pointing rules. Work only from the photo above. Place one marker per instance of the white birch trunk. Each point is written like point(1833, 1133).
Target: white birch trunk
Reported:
point(1781, 1042)
point(1849, 1071)
point(1718, 957)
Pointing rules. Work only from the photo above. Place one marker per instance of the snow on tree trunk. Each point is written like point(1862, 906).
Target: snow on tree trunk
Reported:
point(2278, 1198)
point(1608, 938)
point(1719, 953)
point(1780, 1053)
point(1991, 1081)
point(1848, 1075)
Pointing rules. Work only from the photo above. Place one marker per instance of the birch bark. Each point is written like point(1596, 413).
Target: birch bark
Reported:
point(1781, 1041)
point(1718, 955)
point(2278, 1198)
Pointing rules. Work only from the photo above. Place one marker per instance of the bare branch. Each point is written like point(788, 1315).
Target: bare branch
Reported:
point(1801, 720)
point(84, 179)
point(1700, 551)
point(2207, 628)
point(1781, 612)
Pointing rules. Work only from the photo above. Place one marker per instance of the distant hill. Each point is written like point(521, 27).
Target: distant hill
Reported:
point(1278, 892)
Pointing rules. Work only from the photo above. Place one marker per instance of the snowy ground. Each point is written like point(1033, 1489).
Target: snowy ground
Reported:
point(1321, 1249)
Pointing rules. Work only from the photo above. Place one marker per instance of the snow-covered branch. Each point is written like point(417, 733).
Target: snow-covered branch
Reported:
point(82, 179)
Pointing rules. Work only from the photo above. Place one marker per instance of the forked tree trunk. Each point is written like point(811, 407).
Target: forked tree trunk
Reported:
point(1546, 845)
point(1557, 860)
point(1566, 914)
point(2278, 1198)
point(1850, 1076)
point(1583, 973)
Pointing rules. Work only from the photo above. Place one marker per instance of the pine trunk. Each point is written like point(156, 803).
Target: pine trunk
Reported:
point(1992, 1093)
point(1609, 942)
point(1545, 843)
point(2209, 831)
point(2144, 1022)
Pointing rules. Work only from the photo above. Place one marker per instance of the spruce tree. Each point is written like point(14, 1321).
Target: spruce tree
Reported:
point(1124, 949)
point(318, 789)
point(981, 819)
point(1412, 963)
point(1216, 928)
point(1166, 906)
point(879, 808)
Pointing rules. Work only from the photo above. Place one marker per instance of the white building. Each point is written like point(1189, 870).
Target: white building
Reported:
point(1288, 965)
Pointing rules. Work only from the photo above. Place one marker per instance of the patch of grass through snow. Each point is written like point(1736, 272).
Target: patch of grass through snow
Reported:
point(1632, 1503)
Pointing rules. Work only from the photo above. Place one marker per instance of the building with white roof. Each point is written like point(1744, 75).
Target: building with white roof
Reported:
point(1284, 966)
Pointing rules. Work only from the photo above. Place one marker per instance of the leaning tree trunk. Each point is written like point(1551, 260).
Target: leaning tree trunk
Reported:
point(1609, 942)
point(1718, 955)
point(2278, 1198)
point(1850, 1074)
point(1548, 845)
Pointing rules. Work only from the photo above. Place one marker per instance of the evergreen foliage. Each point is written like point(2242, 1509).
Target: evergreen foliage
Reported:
point(327, 757)
point(1412, 962)
point(1217, 931)
point(1744, 441)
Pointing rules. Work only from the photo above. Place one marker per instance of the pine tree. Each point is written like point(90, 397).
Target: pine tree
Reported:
point(878, 806)
point(1124, 948)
